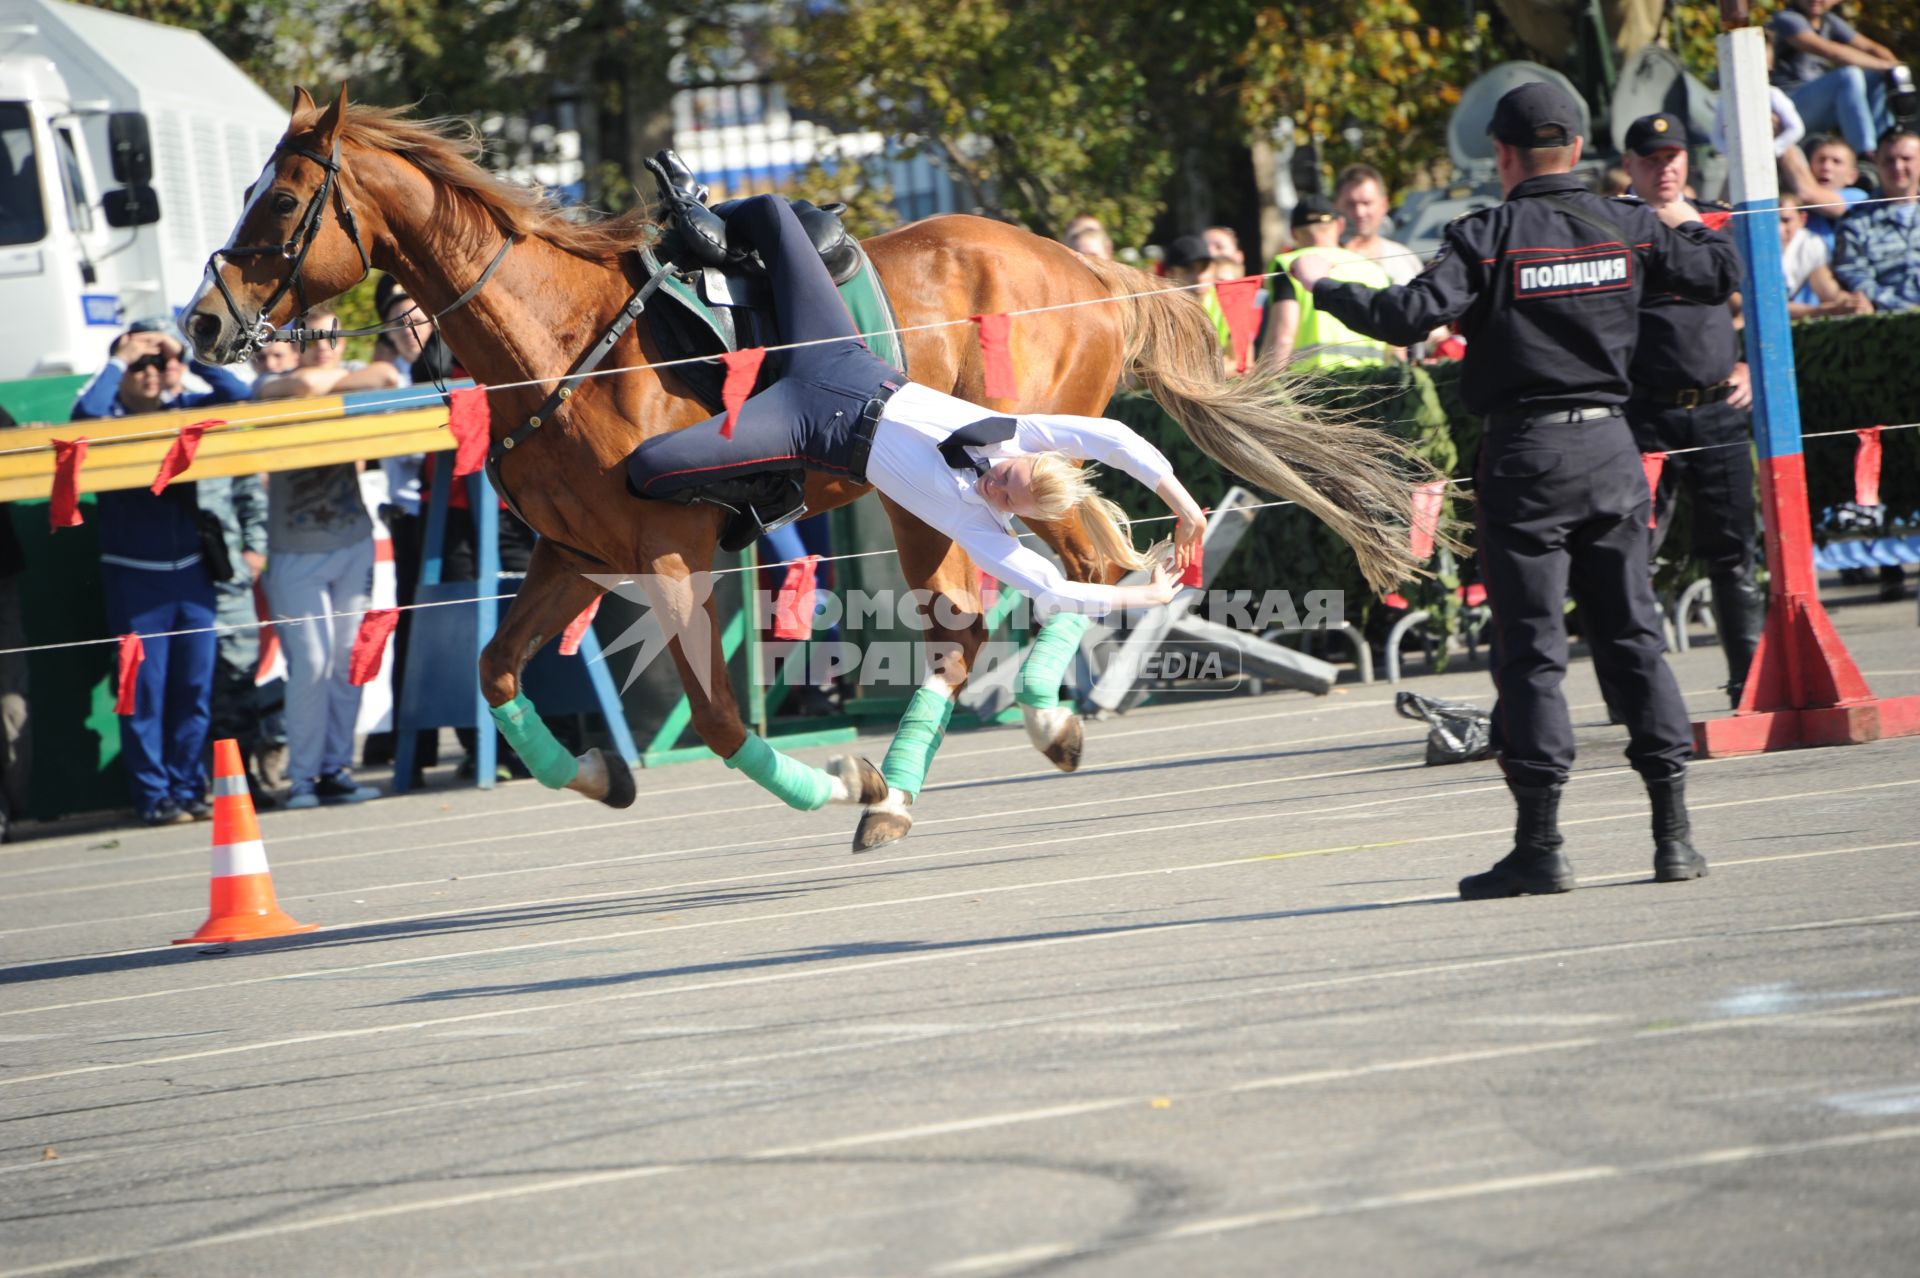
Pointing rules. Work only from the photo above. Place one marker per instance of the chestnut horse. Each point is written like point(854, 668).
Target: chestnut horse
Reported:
point(352, 188)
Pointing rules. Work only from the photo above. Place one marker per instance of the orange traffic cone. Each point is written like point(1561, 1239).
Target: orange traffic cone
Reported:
point(243, 907)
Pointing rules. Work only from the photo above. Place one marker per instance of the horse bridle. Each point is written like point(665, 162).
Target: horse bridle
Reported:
point(295, 249)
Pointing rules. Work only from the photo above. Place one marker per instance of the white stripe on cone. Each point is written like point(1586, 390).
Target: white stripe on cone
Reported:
point(230, 859)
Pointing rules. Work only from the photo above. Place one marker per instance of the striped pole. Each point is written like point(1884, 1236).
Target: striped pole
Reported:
point(1804, 688)
point(242, 906)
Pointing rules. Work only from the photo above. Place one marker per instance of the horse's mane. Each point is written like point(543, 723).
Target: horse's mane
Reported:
point(448, 151)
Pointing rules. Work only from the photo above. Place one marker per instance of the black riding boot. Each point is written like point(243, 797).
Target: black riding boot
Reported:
point(1739, 615)
point(1674, 860)
point(1536, 866)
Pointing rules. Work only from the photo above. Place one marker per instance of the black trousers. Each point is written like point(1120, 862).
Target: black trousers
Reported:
point(805, 418)
point(1719, 481)
point(1562, 508)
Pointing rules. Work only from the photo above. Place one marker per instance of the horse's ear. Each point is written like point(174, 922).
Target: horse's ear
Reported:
point(329, 124)
point(302, 102)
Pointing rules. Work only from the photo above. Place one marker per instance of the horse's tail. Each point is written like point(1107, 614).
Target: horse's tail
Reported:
point(1356, 478)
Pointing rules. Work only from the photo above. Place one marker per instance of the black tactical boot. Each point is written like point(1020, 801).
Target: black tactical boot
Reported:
point(1674, 860)
point(1739, 616)
point(1536, 866)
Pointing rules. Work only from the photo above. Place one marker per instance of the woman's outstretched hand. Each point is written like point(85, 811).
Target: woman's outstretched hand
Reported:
point(1187, 535)
point(1192, 525)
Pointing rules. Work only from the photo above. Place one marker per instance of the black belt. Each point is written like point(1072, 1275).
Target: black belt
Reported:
point(1687, 397)
point(1558, 417)
point(860, 437)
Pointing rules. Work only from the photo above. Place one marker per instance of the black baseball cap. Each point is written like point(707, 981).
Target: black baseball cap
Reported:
point(385, 289)
point(1188, 250)
point(1536, 114)
point(1312, 209)
point(1657, 132)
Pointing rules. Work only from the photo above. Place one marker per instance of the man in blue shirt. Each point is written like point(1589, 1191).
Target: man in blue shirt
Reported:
point(158, 581)
point(1877, 252)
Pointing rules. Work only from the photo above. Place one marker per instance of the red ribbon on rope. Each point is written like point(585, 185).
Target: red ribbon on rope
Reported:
point(1715, 219)
point(996, 352)
point(132, 653)
point(577, 628)
point(472, 426)
point(63, 511)
point(1428, 501)
point(793, 606)
point(743, 370)
point(370, 645)
point(180, 455)
point(1237, 304)
point(1653, 464)
point(1866, 467)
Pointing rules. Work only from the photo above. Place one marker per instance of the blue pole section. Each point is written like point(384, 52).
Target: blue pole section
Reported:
point(486, 538)
point(1756, 230)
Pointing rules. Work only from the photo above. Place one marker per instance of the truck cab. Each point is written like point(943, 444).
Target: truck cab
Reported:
point(124, 148)
point(53, 232)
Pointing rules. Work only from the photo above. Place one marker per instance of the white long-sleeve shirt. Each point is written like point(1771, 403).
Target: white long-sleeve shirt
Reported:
point(906, 465)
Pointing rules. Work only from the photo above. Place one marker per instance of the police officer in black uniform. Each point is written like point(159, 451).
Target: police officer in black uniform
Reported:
point(1691, 391)
point(1547, 289)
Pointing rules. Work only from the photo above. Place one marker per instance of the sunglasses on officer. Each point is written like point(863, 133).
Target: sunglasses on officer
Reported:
point(158, 363)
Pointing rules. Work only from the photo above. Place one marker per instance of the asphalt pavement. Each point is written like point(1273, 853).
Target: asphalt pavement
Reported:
point(1209, 1006)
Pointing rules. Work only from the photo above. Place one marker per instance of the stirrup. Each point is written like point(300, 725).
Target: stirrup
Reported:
point(745, 526)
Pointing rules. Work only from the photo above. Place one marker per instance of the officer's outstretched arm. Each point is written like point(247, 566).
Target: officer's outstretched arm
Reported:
point(1405, 314)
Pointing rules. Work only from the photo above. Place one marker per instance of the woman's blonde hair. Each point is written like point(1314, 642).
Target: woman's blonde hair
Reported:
point(1059, 488)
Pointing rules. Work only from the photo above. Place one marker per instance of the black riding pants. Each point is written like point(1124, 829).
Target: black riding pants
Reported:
point(803, 419)
point(1562, 508)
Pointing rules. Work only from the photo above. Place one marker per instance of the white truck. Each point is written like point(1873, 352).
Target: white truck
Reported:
point(124, 148)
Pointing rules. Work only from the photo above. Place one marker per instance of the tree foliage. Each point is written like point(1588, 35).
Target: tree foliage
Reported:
point(1043, 109)
point(1389, 69)
point(1047, 108)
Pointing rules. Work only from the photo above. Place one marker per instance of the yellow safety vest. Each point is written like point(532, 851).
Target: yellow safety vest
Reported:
point(1321, 340)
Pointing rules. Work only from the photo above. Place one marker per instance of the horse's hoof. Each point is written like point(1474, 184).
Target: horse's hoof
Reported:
point(881, 826)
point(1064, 750)
point(620, 788)
point(863, 781)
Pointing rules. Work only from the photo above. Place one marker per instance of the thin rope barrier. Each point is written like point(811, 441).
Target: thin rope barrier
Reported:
point(726, 572)
point(273, 421)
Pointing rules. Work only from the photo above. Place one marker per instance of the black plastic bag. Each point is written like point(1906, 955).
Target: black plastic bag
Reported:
point(1457, 731)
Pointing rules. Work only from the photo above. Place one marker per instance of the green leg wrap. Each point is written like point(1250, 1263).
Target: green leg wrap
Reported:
point(545, 757)
point(919, 735)
point(1047, 661)
point(792, 782)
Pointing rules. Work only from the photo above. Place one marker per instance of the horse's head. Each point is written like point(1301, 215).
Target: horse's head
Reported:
point(296, 243)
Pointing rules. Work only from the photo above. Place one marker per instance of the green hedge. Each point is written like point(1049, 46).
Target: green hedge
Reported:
point(1855, 373)
point(1851, 373)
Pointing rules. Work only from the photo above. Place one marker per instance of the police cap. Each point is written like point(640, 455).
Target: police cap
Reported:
point(1188, 250)
point(1536, 114)
point(1657, 132)
point(1312, 209)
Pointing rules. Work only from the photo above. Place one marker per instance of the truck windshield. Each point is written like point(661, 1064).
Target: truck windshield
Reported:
point(23, 218)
